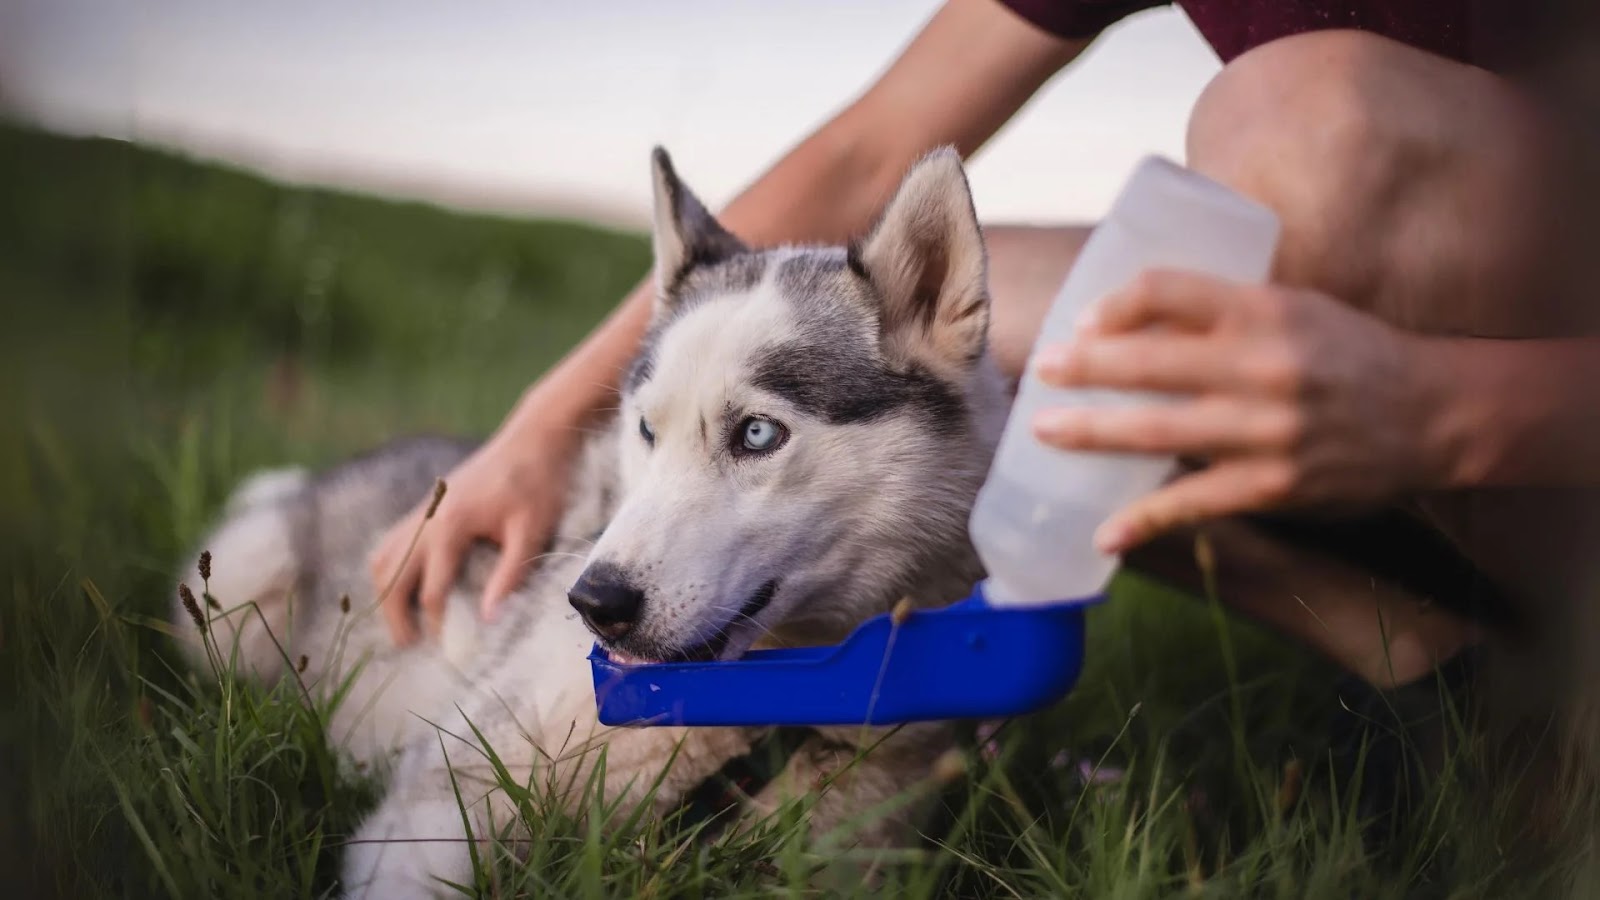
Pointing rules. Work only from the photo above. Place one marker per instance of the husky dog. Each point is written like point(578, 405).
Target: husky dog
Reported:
point(798, 447)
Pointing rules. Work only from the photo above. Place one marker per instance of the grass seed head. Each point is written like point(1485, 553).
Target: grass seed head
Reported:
point(1289, 787)
point(205, 565)
point(1205, 555)
point(901, 612)
point(186, 597)
point(438, 495)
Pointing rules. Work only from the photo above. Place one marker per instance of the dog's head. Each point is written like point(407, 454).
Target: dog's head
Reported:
point(803, 432)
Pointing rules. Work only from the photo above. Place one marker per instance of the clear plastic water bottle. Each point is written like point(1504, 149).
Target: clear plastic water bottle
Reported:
point(1035, 517)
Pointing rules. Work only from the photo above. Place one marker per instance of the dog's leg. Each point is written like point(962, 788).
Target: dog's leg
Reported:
point(863, 801)
point(416, 843)
point(444, 784)
point(408, 849)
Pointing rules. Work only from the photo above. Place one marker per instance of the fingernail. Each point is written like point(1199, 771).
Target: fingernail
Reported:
point(1088, 320)
point(1111, 538)
point(1052, 362)
point(1053, 423)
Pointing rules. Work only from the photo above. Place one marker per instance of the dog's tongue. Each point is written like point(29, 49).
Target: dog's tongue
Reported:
point(628, 659)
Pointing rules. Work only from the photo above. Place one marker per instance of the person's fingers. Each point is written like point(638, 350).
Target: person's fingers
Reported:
point(1165, 362)
point(397, 602)
point(440, 566)
point(1183, 300)
point(1204, 427)
point(384, 557)
point(516, 552)
point(1228, 488)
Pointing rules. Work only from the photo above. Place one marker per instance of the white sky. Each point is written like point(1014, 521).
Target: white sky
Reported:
point(552, 107)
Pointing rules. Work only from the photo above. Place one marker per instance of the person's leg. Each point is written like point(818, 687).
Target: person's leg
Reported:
point(1434, 195)
point(1408, 185)
point(1414, 188)
point(1026, 268)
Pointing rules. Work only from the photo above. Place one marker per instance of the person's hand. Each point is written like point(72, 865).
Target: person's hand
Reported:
point(1292, 397)
point(510, 491)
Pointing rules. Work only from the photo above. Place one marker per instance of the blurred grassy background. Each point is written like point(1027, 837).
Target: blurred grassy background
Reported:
point(170, 326)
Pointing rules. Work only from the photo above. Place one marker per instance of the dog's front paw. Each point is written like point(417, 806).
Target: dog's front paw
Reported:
point(408, 851)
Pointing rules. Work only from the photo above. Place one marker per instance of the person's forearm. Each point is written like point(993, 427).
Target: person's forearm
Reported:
point(1517, 412)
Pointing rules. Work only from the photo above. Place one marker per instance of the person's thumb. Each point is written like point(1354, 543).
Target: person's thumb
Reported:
point(515, 554)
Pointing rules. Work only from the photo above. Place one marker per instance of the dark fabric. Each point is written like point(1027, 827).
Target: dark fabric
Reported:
point(1469, 31)
point(1081, 19)
point(1387, 745)
point(1396, 546)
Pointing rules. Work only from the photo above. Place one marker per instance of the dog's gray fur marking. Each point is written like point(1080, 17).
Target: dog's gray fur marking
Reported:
point(832, 369)
point(823, 377)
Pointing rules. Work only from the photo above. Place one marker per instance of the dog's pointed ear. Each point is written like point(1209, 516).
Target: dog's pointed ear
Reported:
point(684, 234)
point(925, 258)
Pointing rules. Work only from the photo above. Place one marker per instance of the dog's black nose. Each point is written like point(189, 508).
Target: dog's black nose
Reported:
point(607, 600)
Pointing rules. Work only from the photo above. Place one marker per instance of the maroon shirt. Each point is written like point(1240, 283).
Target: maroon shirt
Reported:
point(1468, 31)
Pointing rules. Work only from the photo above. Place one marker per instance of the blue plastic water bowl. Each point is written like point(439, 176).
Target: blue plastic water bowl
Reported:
point(965, 661)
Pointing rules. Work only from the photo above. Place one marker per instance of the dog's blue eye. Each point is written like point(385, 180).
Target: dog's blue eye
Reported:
point(758, 435)
point(645, 432)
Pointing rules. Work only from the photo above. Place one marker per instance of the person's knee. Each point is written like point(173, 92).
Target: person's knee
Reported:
point(1313, 97)
point(1361, 145)
point(1298, 125)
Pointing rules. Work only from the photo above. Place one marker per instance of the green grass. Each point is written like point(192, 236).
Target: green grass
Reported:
point(171, 326)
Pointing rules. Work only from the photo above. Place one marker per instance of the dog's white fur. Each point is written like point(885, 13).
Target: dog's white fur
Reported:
point(865, 503)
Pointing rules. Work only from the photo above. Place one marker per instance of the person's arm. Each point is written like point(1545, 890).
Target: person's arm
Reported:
point(1517, 412)
point(963, 76)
